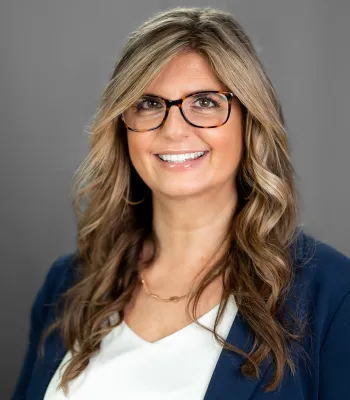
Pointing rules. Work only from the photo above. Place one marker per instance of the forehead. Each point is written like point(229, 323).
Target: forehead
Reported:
point(184, 74)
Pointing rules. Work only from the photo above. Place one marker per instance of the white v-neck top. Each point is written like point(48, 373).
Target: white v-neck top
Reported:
point(127, 367)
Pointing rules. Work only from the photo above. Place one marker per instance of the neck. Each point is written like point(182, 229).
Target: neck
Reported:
point(191, 230)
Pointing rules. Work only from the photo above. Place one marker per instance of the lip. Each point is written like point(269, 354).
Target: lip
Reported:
point(187, 165)
point(181, 152)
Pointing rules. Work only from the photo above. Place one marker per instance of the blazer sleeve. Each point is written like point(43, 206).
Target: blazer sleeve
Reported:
point(38, 315)
point(334, 379)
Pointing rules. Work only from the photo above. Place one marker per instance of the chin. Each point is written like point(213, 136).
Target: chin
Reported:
point(181, 191)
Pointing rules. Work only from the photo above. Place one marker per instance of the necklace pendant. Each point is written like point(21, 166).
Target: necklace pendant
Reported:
point(174, 298)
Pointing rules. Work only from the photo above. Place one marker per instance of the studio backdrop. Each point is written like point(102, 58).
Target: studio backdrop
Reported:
point(56, 58)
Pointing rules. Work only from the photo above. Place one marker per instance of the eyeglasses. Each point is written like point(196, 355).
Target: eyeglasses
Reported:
point(209, 109)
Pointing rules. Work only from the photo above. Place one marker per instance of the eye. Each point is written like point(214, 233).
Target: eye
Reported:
point(148, 103)
point(206, 101)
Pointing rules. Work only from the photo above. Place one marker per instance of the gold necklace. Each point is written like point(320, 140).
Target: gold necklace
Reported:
point(155, 296)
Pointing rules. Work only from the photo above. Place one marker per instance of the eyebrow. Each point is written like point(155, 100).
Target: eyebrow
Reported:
point(195, 92)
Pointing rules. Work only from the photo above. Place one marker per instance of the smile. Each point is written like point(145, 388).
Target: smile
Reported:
point(180, 158)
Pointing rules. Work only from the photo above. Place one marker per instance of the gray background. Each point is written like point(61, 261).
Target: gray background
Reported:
point(56, 59)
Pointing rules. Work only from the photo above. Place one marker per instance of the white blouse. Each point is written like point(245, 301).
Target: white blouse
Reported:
point(127, 367)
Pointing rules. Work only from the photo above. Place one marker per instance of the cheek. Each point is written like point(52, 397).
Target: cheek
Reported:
point(229, 143)
point(232, 137)
point(132, 147)
point(139, 149)
point(226, 143)
point(136, 145)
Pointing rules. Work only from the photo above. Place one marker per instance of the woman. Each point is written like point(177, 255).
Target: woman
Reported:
point(189, 228)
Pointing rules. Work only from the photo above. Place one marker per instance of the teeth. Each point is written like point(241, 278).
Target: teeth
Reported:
point(180, 158)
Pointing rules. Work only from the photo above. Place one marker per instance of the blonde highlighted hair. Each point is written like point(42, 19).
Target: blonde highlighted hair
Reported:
point(257, 267)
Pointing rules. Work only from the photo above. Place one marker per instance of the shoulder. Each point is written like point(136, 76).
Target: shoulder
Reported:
point(322, 282)
point(61, 273)
point(324, 287)
point(321, 266)
point(59, 277)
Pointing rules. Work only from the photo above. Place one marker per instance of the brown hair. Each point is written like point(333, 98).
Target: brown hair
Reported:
point(257, 267)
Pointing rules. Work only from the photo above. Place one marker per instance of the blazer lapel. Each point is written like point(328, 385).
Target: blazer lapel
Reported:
point(227, 379)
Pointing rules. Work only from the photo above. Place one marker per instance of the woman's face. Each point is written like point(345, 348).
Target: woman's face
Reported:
point(185, 74)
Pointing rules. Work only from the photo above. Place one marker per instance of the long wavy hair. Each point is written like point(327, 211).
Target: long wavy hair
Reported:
point(257, 267)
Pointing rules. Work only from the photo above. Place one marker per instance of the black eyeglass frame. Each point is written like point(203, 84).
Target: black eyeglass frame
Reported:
point(178, 103)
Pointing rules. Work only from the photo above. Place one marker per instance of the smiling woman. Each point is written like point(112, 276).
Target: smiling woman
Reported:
point(191, 279)
point(207, 123)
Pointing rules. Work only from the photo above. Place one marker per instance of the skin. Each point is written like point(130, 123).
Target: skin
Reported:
point(192, 208)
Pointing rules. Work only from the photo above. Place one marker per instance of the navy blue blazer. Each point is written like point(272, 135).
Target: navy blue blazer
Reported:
point(322, 283)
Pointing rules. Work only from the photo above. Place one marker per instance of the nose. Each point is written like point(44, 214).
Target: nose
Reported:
point(175, 125)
